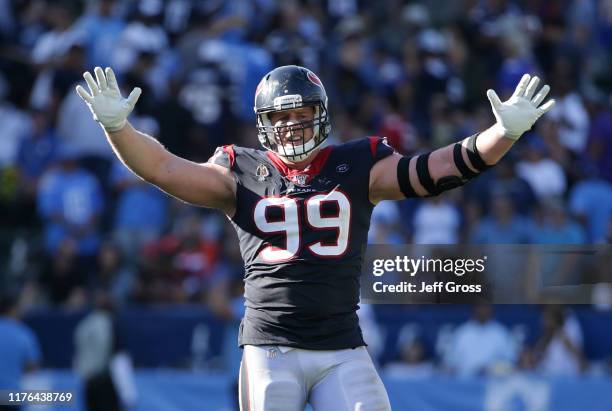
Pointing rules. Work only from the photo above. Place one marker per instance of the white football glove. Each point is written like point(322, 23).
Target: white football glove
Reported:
point(519, 113)
point(105, 101)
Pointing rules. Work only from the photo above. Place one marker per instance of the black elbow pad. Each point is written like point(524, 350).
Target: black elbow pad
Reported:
point(448, 183)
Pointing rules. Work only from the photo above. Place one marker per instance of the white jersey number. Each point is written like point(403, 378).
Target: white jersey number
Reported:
point(289, 225)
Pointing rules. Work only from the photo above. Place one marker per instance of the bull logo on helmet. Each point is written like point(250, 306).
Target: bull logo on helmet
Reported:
point(313, 78)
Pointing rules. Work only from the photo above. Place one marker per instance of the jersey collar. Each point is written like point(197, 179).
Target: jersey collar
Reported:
point(311, 169)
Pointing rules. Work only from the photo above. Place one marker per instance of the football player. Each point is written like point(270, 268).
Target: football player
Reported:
point(302, 210)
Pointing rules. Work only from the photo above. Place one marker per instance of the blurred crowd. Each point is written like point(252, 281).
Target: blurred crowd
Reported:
point(483, 346)
point(76, 221)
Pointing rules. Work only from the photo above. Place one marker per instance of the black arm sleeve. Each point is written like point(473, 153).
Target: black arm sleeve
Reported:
point(447, 182)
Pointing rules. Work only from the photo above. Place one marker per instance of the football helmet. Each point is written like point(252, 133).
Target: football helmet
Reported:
point(285, 88)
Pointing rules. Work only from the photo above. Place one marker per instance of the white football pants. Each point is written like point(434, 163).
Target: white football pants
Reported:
point(276, 378)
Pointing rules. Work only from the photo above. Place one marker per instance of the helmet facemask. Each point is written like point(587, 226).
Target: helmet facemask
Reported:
point(286, 88)
point(296, 148)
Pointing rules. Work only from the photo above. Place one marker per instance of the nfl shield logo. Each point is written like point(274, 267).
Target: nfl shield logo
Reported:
point(300, 179)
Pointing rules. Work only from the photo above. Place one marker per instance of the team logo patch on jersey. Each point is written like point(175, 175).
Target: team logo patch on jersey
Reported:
point(262, 172)
point(300, 179)
point(342, 168)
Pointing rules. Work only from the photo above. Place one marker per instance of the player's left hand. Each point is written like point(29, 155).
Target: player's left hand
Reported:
point(519, 113)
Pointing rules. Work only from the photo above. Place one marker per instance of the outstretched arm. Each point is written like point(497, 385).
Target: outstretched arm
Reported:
point(398, 177)
point(206, 185)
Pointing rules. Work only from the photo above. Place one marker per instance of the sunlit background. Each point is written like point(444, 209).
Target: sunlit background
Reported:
point(121, 289)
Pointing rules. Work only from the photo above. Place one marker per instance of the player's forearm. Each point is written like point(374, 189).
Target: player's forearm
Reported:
point(139, 152)
point(492, 144)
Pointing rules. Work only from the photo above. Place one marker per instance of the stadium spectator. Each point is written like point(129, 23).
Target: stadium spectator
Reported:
point(140, 213)
point(61, 35)
point(19, 347)
point(70, 204)
point(100, 27)
point(557, 227)
point(544, 175)
point(64, 281)
point(143, 34)
point(502, 178)
point(36, 153)
point(386, 219)
point(95, 344)
point(54, 82)
point(412, 361)
point(74, 129)
point(297, 40)
point(559, 347)
point(570, 114)
point(16, 126)
point(436, 221)
point(590, 201)
point(481, 346)
point(182, 263)
point(503, 225)
point(113, 275)
point(599, 148)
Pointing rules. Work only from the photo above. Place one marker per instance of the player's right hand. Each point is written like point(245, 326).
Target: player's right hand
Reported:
point(107, 105)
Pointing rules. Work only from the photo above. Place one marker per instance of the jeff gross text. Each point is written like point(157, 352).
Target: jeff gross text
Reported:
point(402, 265)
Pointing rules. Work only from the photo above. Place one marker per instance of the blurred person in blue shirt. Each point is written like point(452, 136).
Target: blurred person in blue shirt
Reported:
point(559, 348)
point(515, 49)
point(101, 29)
point(503, 225)
point(599, 145)
point(540, 170)
point(437, 221)
point(502, 177)
point(385, 227)
point(70, 202)
point(557, 227)
point(590, 201)
point(481, 346)
point(19, 349)
point(36, 152)
point(141, 210)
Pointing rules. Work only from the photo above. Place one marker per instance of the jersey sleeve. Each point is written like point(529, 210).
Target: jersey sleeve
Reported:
point(380, 148)
point(224, 156)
